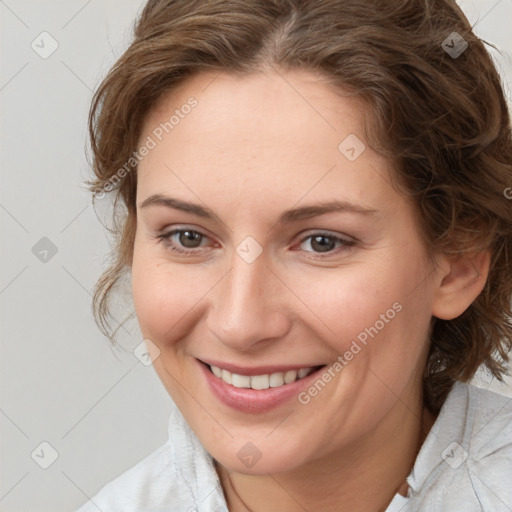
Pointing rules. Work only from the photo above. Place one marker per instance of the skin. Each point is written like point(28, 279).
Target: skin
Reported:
point(253, 147)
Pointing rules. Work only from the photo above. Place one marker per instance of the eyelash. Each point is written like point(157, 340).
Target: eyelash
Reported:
point(345, 243)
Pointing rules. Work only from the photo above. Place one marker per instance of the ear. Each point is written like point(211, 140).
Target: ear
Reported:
point(462, 278)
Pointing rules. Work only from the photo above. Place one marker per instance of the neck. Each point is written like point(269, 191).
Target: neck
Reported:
point(362, 477)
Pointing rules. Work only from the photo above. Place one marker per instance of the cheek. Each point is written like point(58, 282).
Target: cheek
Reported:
point(372, 315)
point(163, 295)
point(170, 299)
point(348, 301)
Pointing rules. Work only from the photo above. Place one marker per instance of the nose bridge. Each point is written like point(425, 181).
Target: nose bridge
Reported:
point(246, 306)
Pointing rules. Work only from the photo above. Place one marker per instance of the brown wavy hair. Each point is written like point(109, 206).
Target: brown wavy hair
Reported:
point(442, 118)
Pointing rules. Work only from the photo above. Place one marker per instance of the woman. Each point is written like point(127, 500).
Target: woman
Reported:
point(315, 221)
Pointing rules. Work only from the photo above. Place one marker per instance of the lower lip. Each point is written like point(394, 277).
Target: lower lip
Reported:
point(254, 400)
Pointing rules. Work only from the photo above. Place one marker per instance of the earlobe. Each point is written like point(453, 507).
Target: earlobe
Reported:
point(461, 284)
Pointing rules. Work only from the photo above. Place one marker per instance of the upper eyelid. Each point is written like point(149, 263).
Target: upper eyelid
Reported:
point(174, 230)
point(202, 231)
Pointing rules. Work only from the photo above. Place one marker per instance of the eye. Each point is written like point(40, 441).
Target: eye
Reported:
point(325, 243)
point(183, 241)
point(190, 241)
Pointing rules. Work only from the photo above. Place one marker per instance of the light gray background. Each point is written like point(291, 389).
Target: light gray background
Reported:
point(60, 382)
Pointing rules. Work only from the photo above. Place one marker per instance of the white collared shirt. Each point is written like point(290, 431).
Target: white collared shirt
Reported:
point(464, 465)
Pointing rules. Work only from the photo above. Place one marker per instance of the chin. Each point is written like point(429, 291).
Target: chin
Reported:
point(260, 458)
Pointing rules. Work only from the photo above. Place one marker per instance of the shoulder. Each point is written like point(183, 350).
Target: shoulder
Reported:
point(486, 421)
point(489, 447)
point(466, 461)
point(488, 404)
point(476, 415)
point(179, 475)
point(144, 486)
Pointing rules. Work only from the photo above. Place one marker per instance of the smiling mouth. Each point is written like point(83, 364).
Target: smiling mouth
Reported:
point(264, 381)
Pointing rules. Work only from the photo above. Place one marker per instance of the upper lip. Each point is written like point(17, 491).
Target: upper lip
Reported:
point(257, 370)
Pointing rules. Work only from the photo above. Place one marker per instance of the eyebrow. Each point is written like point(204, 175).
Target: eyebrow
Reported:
point(288, 216)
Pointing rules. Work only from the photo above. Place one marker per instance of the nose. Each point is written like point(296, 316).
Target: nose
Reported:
point(248, 308)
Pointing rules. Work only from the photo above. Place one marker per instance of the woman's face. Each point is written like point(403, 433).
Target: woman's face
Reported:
point(270, 240)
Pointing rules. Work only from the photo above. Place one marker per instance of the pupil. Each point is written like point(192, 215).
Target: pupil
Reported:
point(322, 245)
point(189, 236)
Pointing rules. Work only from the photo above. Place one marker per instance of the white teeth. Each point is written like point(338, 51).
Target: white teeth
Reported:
point(240, 381)
point(260, 382)
point(290, 376)
point(276, 380)
point(303, 372)
point(226, 376)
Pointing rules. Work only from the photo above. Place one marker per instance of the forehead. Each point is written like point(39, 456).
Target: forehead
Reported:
point(266, 135)
point(294, 104)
